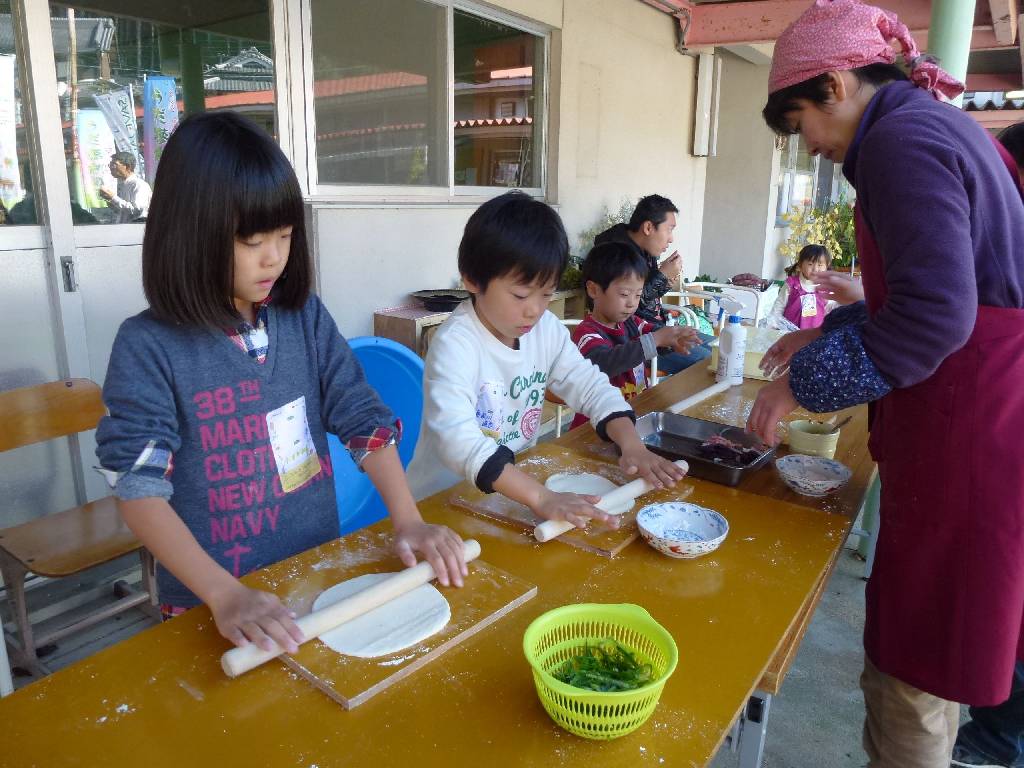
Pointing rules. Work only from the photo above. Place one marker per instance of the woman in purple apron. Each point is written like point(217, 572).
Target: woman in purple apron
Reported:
point(938, 349)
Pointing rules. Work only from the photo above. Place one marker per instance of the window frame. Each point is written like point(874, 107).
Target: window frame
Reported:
point(388, 193)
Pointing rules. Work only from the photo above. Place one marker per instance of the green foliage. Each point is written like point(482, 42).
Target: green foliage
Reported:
point(605, 220)
point(831, 227)
point(573, 277)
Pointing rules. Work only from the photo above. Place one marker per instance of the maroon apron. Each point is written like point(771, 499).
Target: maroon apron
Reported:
point(945, 602)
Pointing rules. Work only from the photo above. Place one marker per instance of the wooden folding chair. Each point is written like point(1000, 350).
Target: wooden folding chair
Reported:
point(68, 542)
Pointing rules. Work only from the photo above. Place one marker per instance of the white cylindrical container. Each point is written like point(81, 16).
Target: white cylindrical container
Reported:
point(732, 350)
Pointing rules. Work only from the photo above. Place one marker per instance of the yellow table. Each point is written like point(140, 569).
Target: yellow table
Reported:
point(160, 699)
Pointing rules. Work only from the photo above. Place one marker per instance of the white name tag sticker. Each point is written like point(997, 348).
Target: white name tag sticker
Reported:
point(292, 444)
point(808, 305)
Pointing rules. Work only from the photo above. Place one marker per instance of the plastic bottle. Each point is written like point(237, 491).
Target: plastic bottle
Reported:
point(732, 350)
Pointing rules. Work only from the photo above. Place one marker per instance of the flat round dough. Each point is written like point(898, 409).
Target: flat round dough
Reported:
point(389, 628)
point(586, 484)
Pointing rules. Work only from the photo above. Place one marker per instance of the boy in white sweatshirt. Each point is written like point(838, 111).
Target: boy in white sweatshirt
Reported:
point(490, 362)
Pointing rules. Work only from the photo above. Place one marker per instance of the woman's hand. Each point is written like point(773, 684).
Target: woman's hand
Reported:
point(440, 546)
point(774, 402)
point(840, 287)
point(776, 360)
point(246, 616)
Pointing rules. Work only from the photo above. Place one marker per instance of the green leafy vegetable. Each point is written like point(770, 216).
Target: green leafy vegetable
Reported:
point(604, 666)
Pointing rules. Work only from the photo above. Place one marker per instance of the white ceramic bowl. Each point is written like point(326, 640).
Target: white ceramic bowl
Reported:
point(678, 529)
point(813, 475)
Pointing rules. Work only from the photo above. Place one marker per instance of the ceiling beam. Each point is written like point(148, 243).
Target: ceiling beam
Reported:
point(1020, 23)
point(1003, 81)
point(758, 21)
point(1004, 20)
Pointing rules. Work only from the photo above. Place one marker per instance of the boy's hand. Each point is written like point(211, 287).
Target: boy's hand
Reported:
point(573, 508)
point(679, 338)
point(246, 616)
point(660, 472)
point(776, 359)
point(440, 546)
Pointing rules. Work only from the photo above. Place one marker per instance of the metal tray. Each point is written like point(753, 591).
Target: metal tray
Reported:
point(680, 437)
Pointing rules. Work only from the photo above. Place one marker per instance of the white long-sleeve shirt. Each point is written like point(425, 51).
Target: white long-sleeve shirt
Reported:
point(132, 199)
point(480, 395)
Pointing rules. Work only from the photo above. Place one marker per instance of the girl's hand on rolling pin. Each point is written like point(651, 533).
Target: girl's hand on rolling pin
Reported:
point(776, 360)
point(660, 472)
point(246, 616)
point(439, 545)
point(774, 402)
point(840, 287)
point(573, 508)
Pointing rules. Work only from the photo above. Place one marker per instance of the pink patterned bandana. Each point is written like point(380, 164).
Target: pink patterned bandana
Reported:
point(846, 34)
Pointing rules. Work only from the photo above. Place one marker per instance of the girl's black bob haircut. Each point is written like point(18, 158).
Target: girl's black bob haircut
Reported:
point(816, 91)
point(514, 234)
point(810, 252)
point(220, 177)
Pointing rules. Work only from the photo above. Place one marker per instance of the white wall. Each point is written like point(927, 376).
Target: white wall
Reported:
point(620, 125)
point(739, 207)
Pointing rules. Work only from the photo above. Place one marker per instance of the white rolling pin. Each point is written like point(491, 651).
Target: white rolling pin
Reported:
point(551, 529)
point(239, 660)
point(697, 397)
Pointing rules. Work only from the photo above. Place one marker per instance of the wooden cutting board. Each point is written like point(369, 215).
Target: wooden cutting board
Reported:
point(549, 459)
point(489, 593)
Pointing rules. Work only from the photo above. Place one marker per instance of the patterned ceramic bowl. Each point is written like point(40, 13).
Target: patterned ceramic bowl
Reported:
point(678, 529)
point(813, 475)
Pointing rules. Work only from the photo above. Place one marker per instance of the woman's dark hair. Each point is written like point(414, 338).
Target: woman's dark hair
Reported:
point(810, 252)
point(513, 234)
point(816, 91)
point(653, 208)
point(220, 177)
point(1012, 137)
point(608, 262)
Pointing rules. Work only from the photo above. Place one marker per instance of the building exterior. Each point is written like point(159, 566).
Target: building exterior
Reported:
point(400, 117)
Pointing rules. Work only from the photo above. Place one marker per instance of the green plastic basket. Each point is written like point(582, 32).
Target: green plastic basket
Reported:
point(561, 634)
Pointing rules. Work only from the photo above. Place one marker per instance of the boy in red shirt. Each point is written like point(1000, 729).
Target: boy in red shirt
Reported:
point(613, 336)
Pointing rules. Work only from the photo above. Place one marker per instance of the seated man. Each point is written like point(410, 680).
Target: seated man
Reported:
point(649, 233)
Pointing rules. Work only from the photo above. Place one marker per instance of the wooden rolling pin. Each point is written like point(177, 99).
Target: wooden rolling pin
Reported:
point(551, 529)
point(239, 660)
point(697, 397)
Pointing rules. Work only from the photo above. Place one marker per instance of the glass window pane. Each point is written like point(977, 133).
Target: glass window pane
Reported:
point(498, 99)
point(17, 205)
point(124, 83)
point(380, 92)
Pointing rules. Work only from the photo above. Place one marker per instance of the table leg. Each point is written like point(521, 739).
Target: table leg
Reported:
point(751, 729)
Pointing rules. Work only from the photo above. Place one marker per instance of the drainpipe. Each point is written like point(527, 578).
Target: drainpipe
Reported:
point(949, 36)
point(682, 12)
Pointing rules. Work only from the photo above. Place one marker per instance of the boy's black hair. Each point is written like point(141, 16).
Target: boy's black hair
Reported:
point(220, 177)
point(816, 91)
point(608, 262)
point(1012, 137)
point(127, 159)
point(514, 234)
point(653, 208)
point(811, 252)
